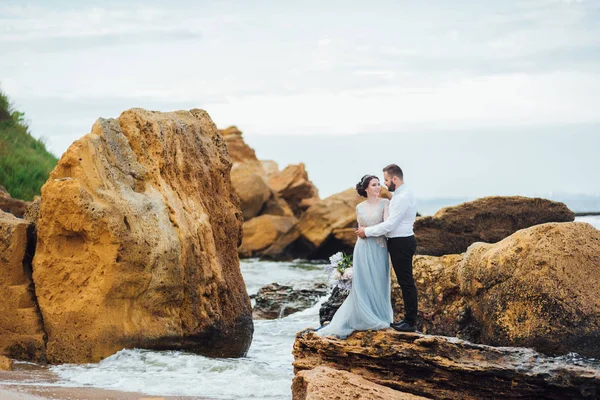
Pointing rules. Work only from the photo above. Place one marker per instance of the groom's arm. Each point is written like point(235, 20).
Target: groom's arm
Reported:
point(397, 209)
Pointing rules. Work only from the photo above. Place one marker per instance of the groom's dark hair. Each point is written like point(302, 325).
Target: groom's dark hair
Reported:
point(394, 170)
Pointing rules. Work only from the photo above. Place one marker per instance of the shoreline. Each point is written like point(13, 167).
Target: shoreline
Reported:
point(34, 392)
point(29, 381)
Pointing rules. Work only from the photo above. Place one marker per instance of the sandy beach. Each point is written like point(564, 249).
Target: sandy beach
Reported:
point(18, 392)
point(35, 382)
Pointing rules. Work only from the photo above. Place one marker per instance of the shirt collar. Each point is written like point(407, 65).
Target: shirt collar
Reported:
point(398, 190)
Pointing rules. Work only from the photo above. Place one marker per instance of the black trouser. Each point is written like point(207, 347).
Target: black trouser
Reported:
point(402, 250)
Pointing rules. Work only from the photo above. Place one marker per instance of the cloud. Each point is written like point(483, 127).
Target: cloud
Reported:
point(281, 68)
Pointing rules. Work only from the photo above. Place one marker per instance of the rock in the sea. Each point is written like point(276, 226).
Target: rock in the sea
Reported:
point(324, 229)
point(15, 207)
point(21, 331)
point(447, 368)
point(137, 242)
point(6, 364)
point(278, 301)
point(293, 185)
point(261, 232)
point(325, 383)
point(489, 219)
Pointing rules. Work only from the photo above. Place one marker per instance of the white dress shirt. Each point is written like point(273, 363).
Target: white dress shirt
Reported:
point(402, 214)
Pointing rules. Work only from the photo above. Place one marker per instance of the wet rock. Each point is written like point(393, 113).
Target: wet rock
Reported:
point(446, 368)
point(330, 307)
point(278, 301)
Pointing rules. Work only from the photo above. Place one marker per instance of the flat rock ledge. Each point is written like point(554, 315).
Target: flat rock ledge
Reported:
point(324, 383)
point(447, 368)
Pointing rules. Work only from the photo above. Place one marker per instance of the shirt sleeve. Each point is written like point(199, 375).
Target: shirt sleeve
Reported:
point(397, 209)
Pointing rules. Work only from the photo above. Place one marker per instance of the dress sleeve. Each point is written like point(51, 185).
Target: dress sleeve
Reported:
point(386, 209)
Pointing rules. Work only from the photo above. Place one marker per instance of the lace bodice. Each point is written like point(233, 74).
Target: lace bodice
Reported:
point(373, 214)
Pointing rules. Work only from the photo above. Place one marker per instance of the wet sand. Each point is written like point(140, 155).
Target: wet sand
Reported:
point(36, 382)
point(18, 392)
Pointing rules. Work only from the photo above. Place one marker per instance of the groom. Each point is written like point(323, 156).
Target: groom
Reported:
point(401, 241)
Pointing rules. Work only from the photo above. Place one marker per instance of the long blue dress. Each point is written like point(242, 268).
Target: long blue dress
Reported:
point(368, 306)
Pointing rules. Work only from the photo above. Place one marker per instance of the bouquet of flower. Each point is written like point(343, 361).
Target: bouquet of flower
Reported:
point(340, 271)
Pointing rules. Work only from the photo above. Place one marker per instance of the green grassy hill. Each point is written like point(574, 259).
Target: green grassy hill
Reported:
point(24, 161)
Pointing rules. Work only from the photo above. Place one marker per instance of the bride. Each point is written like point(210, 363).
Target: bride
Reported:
point(368, 306)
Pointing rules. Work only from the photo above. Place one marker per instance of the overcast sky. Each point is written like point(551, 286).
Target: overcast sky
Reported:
point(471, 97)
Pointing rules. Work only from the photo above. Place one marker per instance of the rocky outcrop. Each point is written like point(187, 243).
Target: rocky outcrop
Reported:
point(21, 330)
point(326, 228)
point(537, 288)
point(265, 191)
point(261, 232)
point(15, 207)
point(324, 383)
point(137, 236)
point(446, 368)
point(490, 219)
point(293, 185)
point(6, 364)
point(278, 301)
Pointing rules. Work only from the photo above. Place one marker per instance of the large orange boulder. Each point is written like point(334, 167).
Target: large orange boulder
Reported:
point(293, 185)
point(21, 331)
point(261, 232)
point(537, 288)
point(489, 219)
point(137, 242)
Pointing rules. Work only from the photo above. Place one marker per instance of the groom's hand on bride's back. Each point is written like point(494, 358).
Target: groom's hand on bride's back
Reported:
point(360, 232)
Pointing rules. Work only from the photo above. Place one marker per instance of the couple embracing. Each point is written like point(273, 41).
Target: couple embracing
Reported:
point(383, 226)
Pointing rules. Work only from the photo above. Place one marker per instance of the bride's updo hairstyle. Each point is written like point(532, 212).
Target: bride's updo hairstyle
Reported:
point(361, 187)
